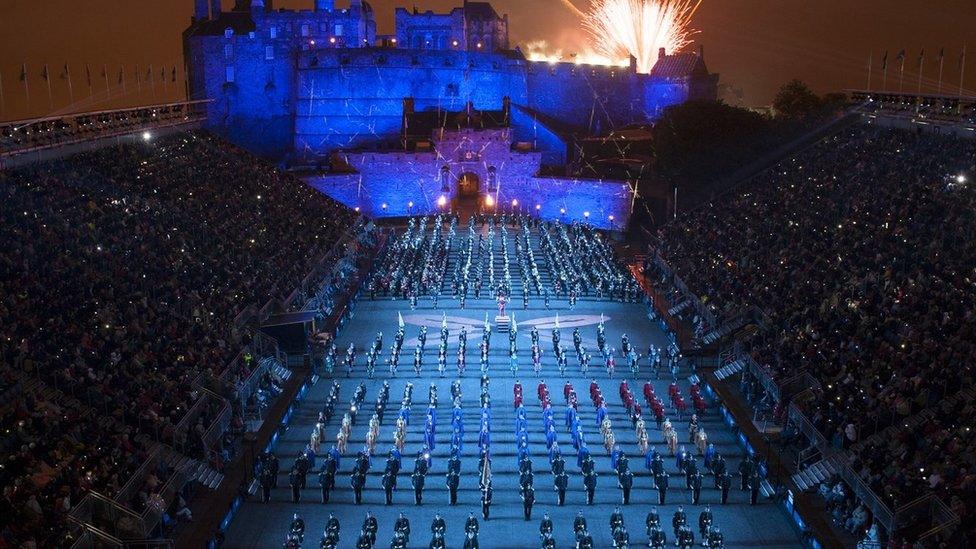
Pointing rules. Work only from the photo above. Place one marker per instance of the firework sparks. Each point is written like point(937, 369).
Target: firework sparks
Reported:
point(540, 50)
point(624, 28)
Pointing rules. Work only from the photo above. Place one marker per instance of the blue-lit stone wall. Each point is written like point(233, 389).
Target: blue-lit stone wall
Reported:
point(393, 184)
point(354, 98)
point(659, 95)
point(275, 96)
point(526, 128)
point(558, 198)
point(588, 98)
point(255, 108)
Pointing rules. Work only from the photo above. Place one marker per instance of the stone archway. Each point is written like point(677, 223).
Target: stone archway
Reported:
point(469, 184)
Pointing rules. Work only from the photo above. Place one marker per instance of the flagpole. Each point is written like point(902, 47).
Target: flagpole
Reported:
point(105, 76)
point(47, 78)
point(921, 65)
point(23, 78)
point(870, 64)
point(71, 90)
point(901, 75)
point(941, 65)
point(962, 69)
point(884, 72)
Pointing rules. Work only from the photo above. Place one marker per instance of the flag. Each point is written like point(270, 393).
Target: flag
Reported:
point(65, 74)
point(104, 72)
point(45, 75)
point(121, 75)
point(174, 74)
point(942, 53)
point(884, 61)
point(23, 72)
point(88, 74)
point(921, 58)
point(149, 74)
point(901, 55)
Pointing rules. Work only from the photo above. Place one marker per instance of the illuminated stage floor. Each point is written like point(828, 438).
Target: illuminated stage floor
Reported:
point(259, 525)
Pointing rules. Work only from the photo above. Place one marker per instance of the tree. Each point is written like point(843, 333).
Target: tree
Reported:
point(795, 101)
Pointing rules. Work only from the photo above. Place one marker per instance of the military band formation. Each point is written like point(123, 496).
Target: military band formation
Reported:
point(578, 263)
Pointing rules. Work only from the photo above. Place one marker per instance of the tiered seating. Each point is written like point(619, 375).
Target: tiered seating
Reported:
point(860, 251)
point(931, 452)
point(123, 271)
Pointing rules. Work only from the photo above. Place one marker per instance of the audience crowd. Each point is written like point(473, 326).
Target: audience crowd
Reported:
point(123, 271)
point(861, 254)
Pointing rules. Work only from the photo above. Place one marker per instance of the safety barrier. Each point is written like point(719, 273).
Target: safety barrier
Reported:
point(21, 137)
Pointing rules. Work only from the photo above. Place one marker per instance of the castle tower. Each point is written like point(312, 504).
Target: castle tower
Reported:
point(201, 11)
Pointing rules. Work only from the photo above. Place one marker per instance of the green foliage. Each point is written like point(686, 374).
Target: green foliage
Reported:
point(795, 101)
point(696, 139)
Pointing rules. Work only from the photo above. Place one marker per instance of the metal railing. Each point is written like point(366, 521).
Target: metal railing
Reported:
point(679, 284)
point(882, 513)
point(761, 373)
point(129, 490)
point(35, 134)
point(183, 427)
point(101, 513)
point(219, 426)
point(153, 515)
point(931, 509)
point(94, 538)
point(809, 430)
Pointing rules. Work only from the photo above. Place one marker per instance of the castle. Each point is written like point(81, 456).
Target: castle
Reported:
point(306, 84)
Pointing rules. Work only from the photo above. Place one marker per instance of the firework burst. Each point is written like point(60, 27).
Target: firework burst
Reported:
point(624, 28)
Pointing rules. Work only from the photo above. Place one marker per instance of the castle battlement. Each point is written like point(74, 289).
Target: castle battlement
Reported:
point(305, 83)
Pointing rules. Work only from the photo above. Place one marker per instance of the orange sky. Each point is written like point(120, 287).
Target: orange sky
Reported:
point(755, 44)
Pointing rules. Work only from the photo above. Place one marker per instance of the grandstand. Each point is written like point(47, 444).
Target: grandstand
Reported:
point(128, 365)
point(177, 311)
point(852, 263)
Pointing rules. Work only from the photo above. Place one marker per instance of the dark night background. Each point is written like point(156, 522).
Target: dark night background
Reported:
point(756, 45)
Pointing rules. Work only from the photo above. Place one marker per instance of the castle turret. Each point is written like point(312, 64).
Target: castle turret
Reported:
point(201, 11)
point(324, 5)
